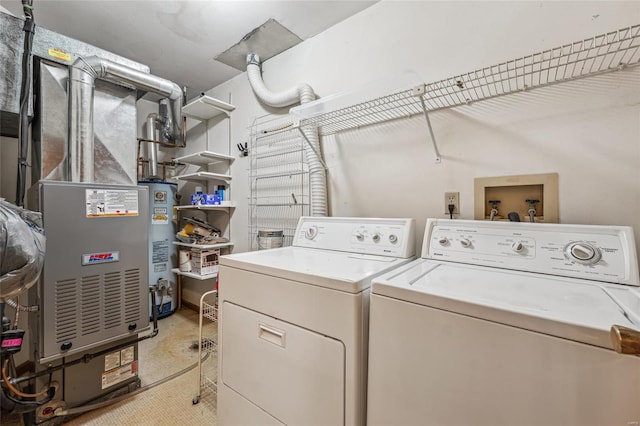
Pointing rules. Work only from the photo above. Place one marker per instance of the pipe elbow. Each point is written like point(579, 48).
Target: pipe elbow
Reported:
point(274, 99)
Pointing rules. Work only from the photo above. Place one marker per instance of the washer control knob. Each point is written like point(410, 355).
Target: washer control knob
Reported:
point(393, 238)
point(311, 232)
point(582, 252)
point(443, 241)
point(376, 237)
point(517, 246)
point(465, 242)
point(359, 236)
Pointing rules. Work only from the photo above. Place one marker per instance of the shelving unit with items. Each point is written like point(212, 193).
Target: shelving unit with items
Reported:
point(204, 218)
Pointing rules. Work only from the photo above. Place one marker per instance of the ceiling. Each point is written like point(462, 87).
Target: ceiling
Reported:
point(179, 40)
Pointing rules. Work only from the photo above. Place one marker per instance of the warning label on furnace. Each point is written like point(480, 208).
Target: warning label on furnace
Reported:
point(111, 202)
point(111, 361)
point(118, 375)
point(127, 355)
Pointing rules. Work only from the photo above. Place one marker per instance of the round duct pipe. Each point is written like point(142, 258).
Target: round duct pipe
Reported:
point(83, 74)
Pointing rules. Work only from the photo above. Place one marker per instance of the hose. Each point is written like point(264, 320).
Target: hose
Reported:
point(302, 93)
point(16, 391)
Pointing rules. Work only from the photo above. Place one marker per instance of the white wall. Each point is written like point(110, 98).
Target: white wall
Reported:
point(587, 131)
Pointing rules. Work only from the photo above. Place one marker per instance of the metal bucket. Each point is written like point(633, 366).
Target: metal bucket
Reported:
point(270, 238)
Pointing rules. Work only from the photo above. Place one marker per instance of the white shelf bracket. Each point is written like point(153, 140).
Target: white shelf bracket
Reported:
point(418, 91)
point(297, 125)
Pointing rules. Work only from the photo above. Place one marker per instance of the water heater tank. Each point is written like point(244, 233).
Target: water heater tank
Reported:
point(162, 251)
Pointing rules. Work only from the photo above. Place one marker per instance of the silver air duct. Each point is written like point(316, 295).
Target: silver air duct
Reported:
point(84, 72)
point(304, 93)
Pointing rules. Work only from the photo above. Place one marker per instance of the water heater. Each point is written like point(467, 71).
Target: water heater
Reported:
point(162, 251)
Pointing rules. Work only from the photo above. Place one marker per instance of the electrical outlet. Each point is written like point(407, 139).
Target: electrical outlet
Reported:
point(452, 198)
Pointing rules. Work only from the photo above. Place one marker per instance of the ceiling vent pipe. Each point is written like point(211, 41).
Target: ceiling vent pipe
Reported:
point(302, 93)
point(83, 75)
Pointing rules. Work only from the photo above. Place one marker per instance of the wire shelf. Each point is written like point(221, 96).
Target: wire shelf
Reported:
point(604, 53)
point(209, 311)
point(207, 336)
point(279, 178)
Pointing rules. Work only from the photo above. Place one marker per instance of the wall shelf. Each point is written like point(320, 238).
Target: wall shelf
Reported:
point(203, 246)
point(204, 177)
point(205, 108)
point(603, 53)
point(204, 158)
point(194, 275)
point(205, 207)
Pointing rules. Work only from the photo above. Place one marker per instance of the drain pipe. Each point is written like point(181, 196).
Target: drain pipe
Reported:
point(302, 93)
point(83, 74)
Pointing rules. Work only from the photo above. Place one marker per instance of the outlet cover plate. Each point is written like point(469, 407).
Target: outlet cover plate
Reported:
point(452, 198)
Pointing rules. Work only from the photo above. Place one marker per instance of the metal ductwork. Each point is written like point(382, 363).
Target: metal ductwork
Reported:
point(83, 75)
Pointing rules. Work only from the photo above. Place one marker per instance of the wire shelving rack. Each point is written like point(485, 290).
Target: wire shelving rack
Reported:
point(603, 53)
point(279, 178)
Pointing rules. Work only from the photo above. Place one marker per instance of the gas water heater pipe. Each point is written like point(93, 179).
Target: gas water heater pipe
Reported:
point(302, 93)
point(152, 148)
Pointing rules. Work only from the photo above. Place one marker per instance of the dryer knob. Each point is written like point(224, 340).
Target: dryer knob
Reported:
point(376, 238)
point(311, 233)
point(465, 242)
point(359, 236)
point(584, 253)
point(517, 247)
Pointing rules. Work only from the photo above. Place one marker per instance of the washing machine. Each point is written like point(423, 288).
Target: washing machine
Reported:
point(503, 323)
point(294, 322)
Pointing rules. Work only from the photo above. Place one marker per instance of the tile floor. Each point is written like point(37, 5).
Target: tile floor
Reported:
point(169, 403)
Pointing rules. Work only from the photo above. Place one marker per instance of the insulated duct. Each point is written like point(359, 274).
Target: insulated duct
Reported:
point(84, 72)
point(303, 93)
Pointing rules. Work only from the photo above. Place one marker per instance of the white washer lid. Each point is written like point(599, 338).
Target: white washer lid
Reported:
point(349, 272)
point(574, 309)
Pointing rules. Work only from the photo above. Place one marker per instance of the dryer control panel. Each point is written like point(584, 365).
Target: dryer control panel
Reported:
point(385, 237)
point(601, 253)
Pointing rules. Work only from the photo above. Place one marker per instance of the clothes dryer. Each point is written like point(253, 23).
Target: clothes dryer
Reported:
point(294, 322)
point(503, 323)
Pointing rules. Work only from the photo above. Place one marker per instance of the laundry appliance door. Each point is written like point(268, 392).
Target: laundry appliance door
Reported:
point(295, 375)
